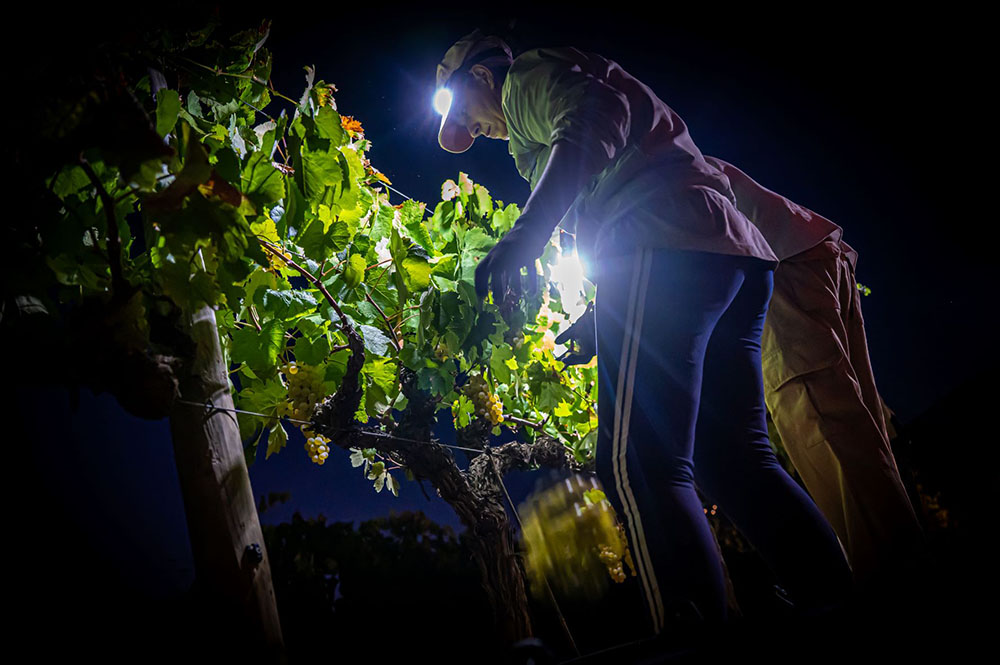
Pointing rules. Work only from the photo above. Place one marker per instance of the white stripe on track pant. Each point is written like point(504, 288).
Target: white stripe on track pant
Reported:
point(623, 410)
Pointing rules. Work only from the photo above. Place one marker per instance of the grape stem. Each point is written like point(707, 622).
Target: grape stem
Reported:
point(375, 265)
point(380, 275)
point(253, 316)
point(351, 333)
point(249, 77)
point(282, 152)
point(590, 405)
point(392, 331)
point(521, 421)
point(408, 318)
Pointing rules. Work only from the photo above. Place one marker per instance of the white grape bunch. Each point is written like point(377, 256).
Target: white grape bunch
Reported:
point(317, 446)
point(486, 403)
point(305, 389)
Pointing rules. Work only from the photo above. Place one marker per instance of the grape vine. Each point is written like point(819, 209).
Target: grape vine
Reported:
point(277, 219)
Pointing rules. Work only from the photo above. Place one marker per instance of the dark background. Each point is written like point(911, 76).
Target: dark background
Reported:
point(875, 122)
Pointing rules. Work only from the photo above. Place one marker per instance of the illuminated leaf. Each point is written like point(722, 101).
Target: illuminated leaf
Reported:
point(328, 126)
point(262, 183)
point(259, 350)
point(276, 439)
point(418, 273)
point(375, 341)
point(265, 229)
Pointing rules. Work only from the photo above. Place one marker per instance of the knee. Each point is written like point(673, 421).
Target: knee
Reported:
point(738, 465)
point(679, 472)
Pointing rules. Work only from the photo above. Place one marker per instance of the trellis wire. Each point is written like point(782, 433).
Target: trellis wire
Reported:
point(209, 406)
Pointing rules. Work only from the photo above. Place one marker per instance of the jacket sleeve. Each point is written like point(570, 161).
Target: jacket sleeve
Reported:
point(553, 100)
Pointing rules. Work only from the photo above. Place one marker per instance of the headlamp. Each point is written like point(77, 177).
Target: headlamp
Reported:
point(442, 101)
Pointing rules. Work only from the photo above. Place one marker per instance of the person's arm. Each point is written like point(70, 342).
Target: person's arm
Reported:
point(568, 170)
point(586, 122)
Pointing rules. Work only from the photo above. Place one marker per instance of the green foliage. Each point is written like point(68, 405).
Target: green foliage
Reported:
point(248, 209)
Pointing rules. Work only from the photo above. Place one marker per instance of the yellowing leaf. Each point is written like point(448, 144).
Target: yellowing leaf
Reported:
point(266, 230)
point(350, 124)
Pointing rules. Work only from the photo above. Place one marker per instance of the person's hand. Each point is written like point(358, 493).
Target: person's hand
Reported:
point(583, 333)
point(500, 269)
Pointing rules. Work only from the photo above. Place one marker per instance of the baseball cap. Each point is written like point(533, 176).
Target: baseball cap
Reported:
point(473, 47)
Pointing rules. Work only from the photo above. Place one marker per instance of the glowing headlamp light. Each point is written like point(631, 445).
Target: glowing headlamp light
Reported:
point(442, 101)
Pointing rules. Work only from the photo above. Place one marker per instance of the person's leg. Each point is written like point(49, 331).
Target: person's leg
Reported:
point(736, 466)
point(654, 314)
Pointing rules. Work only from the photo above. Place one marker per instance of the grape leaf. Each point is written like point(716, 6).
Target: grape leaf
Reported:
point(168, 105)
point(410, 215)
point(328, 126)
point(276, 439)
point(498, 365)
point(320, 170)
point(418, 273)
point(262, 183)
point(312, 352)
point(375, 341)
point(287, 304)
point(260, 350)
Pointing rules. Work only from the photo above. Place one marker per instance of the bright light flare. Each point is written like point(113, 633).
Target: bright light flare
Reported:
point(567, 273)
point(442, 101)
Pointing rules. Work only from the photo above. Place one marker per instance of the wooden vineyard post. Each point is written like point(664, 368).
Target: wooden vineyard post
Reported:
point(231, 564)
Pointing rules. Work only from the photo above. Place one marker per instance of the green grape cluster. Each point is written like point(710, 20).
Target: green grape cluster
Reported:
point(317, 446)
point(486, 403)
point(305, 389)
point(612, 556)
point(515, 338)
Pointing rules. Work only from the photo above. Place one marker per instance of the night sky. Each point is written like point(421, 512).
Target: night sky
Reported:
point(873, 123)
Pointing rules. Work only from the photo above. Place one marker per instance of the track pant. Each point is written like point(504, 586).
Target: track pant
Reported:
point(680, 402)
point(821, 393)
